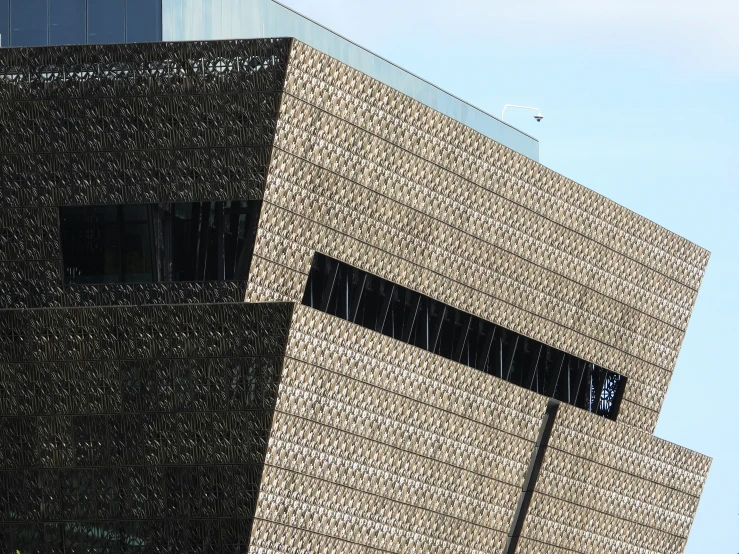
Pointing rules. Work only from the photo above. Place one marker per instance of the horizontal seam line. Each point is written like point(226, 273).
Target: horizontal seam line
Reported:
point(312, 532)
point(588, 460)
point(514, 487)
point(642, 525)
point(532, 441)
point(414, 506)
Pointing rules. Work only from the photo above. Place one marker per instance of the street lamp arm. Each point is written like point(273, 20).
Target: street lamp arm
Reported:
point(502, 115)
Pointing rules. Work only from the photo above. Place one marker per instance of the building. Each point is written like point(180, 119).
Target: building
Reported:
point(60, 22)
point(253, 298)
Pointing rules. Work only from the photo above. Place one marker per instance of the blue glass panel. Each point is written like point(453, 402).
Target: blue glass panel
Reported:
point(144, 20)
point(29, 22)
point(4, 22)
point(68, 21)
point(223, 19)
point(106, 21)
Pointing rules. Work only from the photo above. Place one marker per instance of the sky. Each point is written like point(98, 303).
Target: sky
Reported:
point(639, 99)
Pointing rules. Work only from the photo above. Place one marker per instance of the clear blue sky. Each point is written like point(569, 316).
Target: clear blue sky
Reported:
point(641, 102)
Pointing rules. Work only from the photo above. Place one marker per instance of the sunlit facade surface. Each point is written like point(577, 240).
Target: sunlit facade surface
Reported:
point(278, 296)
point(57, 22)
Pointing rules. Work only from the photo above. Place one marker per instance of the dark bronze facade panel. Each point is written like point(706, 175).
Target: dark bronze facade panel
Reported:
point(637, 415)
point(384, 446)
point(278, 224)
point(136, 428)
point(322, 204)
point(126, 124)
point(608, 487)
point(338, 138)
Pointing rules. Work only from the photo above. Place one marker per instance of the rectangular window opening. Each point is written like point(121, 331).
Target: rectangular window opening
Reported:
point(367, 300)
point(153, 243)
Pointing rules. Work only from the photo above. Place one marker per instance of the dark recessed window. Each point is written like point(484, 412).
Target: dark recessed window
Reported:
point(388, 308)
point(106, 244)
point(145, 243)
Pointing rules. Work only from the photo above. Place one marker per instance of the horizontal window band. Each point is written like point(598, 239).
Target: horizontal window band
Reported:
point(355, 295)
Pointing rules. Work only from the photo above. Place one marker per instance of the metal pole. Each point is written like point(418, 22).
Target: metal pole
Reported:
point(538, 111)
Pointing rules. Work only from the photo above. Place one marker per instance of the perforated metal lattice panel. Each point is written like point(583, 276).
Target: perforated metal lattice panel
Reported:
point(136, 429)
point(605, 487)
point(133, 123)
point(380, 446)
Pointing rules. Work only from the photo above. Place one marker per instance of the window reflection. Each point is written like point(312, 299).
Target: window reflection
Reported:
point(105, 244)
point(106, 21)
point(4, 22)
point(29, 24)
point(57, 22)
point(67, 20)
point(143, 20)
point(143, 243)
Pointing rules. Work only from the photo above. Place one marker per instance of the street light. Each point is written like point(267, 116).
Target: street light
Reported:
point(538, 115)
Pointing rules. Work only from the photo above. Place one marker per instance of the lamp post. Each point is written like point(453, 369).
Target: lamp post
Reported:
point(538, 115)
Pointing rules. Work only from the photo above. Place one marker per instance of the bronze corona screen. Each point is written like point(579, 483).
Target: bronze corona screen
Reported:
point(253, 300)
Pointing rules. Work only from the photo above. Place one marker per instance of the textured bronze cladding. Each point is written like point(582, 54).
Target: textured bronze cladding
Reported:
point(126, 124)
point(606, 487)
point(136, 428)
point(367, 175)
point(381, 446)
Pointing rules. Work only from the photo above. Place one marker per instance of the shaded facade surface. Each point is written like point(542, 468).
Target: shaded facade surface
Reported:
point(126, 124)
point(147, 409)
point(132, 429)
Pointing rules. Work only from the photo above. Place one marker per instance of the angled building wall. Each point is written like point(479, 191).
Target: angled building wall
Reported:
point(385, 447)
point(367, 175)
point(605, 487)
point(380, 446)
point(135, 428)
point(114, 384)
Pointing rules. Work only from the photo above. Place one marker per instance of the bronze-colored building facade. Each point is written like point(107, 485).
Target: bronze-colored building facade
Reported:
point(252, 299)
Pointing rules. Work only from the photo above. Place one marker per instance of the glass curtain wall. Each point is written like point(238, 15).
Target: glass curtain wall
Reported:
point(344, 291)
point(57, 22)
point(226, 19)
